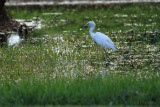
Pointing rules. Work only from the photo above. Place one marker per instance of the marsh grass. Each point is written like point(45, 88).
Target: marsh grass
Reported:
point(113, 90)
point(60, 64)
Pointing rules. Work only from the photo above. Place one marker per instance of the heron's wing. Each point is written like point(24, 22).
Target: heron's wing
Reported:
point(104, 41)
point(104, 37)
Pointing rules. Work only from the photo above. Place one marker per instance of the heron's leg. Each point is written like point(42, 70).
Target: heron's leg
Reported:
point(104, 51)
point(107, 57)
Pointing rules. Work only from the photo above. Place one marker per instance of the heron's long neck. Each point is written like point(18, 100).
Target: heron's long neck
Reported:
point(91, 31)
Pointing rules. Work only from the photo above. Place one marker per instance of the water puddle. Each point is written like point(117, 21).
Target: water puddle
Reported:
point(52, 13)
point(120, 15)
point(139, 24)
point(35, 23)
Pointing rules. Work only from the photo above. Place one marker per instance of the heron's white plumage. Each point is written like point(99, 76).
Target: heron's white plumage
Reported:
point(101, 39)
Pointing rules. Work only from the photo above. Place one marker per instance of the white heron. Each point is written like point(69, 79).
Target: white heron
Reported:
point(101, 39)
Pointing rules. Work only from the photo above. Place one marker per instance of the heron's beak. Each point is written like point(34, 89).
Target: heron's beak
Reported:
point(85, 26)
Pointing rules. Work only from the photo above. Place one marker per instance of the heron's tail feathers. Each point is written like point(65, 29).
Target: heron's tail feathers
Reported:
point(114, 48)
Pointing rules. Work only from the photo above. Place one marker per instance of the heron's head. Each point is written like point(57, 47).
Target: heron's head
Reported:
point(90, 23)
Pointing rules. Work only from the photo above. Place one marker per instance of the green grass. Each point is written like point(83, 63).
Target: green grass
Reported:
point(112, 90)
point(68, 68)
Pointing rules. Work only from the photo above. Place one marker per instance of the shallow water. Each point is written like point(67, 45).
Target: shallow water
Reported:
point(52, 13)
point(35, 23)
point(135, 49)
point(65, 49)
point(73, 2)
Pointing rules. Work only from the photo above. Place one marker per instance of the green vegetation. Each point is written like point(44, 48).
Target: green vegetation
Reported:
point(91, 91)
point(61, 65)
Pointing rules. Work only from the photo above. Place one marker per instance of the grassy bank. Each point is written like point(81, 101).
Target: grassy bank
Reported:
point(60, 63)
point(113, 90)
